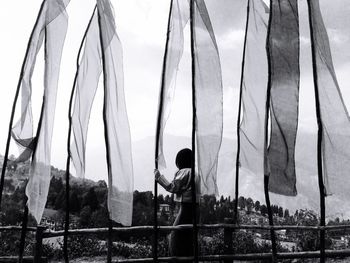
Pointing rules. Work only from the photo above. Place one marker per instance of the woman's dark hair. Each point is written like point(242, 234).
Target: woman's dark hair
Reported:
point(184, 159)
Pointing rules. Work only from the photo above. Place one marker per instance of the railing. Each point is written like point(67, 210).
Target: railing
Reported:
point(42, 233)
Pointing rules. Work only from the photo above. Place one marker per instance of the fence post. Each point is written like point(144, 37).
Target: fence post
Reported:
point(38, 244)
point(228, 239)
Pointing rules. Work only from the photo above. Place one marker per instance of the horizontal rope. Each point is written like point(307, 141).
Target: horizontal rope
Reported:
point(25, 259)
point(16, 228)
point(50, 233)
point(253, 256)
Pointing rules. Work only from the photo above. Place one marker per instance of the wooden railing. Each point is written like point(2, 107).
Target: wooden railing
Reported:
point(43, 233)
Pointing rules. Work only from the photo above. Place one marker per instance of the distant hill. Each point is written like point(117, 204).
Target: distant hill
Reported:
point(249, 184)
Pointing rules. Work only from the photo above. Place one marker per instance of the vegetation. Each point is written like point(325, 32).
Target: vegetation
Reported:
point(88, 208)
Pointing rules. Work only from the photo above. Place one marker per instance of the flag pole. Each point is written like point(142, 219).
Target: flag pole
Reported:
point(26, 210)
point(159, 122)
point(319, 140)
point(110, 229)
point(239, 116)
point(23, 233)
point(267, 113)
point(66, 226)
point(8, 142)
point(193, 168)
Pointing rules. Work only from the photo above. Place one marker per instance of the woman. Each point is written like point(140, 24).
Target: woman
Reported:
point(180, 243)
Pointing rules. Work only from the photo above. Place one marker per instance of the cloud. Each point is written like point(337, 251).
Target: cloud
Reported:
point(232, 40)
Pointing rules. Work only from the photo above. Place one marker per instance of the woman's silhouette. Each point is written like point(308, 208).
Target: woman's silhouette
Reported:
point(181, 241)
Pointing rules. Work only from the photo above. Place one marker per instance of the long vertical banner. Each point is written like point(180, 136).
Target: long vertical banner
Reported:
point(178, 18)
point(334, 114)
point(283, 52)
point(103, 52)
point(52, 26)
point(253, 93)
point(209, 99)
point(208, 88)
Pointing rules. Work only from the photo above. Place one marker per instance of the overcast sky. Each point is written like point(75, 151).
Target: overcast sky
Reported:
point(141, 25)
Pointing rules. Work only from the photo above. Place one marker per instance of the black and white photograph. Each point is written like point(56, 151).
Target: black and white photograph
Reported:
point(175, 131)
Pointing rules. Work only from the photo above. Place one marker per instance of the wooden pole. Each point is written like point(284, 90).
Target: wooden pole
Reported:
point(159, 123)
point(228, 239)
point(267, 114)
point(110, 241)
point(108, 159)
point(7, 149)
point(66, 224)
point(194, 117)
point(26, 211)
point(38, 244)
point(23, 234)
point(319, 138)
point(239, 116)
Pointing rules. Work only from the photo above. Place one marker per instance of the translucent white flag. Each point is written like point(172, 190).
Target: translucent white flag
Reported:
point(208, 82)
point(120, 170)
point(88, 75)
point(179, 16)
point(252, 125)
point(51, 25)
point(334, 114)
point(209, 100)
point(103, 53)
point(283, 51)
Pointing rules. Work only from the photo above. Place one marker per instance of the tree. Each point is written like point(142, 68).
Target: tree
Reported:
point(143, 208)
point(55, 189)
point(160, 199)
point(102, 184)
point(263, 210)
point(274, 209)
point(84, 217)
point(101, 193)
point(249, 204)
point(222, 199)
point(90, 199)
point(286, 213)
point(99, 218)
point(10, 213)
point(60, 202)
point(207, 212)
point(257, 206)
point(280, 211)
point(296, 214)
point(74, 201)
point(56, 184)
point(18, 195)
point(241, 202)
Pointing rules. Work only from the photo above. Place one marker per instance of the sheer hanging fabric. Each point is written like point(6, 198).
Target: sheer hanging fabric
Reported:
point(208, 82)
point(255, 72)
point(334, 114)
point(103, 53)
point(88, 75)
point(51, 25)
point(283, 52)
point(209, 99)
point(179, 17)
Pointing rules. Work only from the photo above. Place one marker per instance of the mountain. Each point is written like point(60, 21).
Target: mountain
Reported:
point(250, 185)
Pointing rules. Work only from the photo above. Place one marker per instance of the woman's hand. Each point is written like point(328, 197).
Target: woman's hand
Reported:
point(156, 174)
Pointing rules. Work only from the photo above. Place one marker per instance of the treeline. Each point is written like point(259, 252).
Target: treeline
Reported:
point(88, 205)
